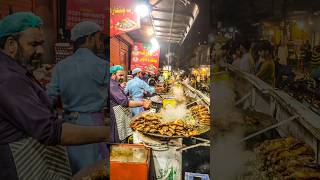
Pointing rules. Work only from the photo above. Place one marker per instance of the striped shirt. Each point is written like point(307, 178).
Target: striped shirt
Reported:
point(315, 60)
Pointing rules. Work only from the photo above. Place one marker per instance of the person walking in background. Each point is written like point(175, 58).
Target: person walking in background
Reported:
point(236, 57)
point(281, 66)
point(267, 70)
point(246, 61)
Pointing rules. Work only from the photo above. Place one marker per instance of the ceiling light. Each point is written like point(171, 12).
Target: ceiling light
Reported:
point(150, 31)
point(142, 10)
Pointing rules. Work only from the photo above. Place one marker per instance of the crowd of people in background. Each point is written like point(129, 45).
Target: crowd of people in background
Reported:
point(269, 62)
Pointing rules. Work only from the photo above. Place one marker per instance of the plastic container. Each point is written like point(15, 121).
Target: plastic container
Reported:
point(129, 161)
point(169, 102)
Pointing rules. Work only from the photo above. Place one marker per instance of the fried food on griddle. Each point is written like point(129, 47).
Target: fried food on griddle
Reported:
point(201, 113)
point(151, 123)
point(288, 158)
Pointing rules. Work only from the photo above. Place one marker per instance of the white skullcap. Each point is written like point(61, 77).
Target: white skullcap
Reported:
point(136, 70)
point(84, 28)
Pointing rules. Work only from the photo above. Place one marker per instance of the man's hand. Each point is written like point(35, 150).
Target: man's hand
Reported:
point(123, 85)
point(147, 104)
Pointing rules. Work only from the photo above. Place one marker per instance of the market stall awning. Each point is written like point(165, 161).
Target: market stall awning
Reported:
point(173, 19)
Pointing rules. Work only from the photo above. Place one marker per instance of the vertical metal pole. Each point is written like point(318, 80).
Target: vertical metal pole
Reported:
point(172, 17)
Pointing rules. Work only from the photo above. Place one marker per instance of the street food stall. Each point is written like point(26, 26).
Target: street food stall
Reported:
point(177, 126)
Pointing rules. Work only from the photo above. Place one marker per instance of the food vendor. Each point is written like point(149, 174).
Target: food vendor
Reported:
point(81, 82)
point(136, 89)
point(119, 98)
point(30, 131)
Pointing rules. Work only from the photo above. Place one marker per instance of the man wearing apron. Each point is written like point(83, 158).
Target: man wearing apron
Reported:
point(81, 82)
point(136, 88)
point(119, 98)
point(31, 134)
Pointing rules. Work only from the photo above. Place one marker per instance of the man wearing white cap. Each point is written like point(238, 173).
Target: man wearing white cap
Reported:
point(81, 82)
point(136, 89)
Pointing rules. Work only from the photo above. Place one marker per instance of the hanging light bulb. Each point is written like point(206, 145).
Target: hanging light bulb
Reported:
point(149, 31)
point(142, 10)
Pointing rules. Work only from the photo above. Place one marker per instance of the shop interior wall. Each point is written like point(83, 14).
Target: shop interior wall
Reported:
point(47, 10)
point(15, 6)
point(120, 51)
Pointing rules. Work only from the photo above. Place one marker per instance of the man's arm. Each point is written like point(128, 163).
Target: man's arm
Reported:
point(29, 114)
point(77, 135)
point(136, 103)
point(148, 88)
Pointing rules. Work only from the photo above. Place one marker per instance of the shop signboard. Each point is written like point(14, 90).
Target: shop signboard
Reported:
point(142, 56)
point(123, 17)
point(84, 10)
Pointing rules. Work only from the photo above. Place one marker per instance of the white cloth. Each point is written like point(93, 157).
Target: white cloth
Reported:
point(283, 55)
point(246, 63)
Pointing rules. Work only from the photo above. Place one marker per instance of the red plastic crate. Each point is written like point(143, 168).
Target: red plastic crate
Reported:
point(130, 170)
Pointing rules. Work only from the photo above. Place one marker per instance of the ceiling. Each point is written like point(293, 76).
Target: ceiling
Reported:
point(185, 13)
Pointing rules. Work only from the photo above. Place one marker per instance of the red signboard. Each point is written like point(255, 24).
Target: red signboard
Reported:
point(123, 17)
point(143, 57)
point(84, 10)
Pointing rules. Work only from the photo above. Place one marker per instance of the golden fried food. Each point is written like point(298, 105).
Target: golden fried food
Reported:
point(288, 158)
point(201, 113)
point(151, 123)
point(178, 122)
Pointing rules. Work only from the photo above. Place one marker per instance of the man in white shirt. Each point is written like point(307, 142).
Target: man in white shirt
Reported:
point(246, 62)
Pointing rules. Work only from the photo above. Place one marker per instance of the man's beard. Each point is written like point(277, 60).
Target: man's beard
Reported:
point(21, 58)
point(25, 61)
point(120, 80)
